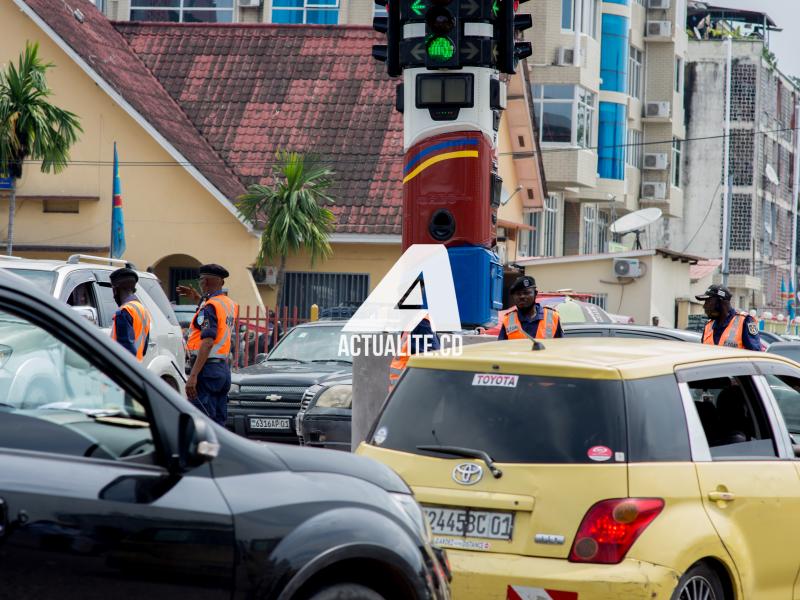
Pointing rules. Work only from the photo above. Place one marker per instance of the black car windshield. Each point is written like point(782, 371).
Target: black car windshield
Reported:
point(44, 280)
point(514, 419)
point(307, 344)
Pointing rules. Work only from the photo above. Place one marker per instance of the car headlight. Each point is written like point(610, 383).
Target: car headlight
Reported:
point(336, 396)
point(413, 513)
point(234, 390)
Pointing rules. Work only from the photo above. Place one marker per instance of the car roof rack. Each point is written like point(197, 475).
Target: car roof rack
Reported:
point(77, 258)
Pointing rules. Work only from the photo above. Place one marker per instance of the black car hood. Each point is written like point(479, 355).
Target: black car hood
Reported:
point(308, 460)
point(289, 373)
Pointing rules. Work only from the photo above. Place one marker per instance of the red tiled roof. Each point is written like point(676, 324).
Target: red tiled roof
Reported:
point(105, 50)
point(254, 89)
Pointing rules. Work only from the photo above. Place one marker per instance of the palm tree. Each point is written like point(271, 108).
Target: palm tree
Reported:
point(292, 211)
point(31, 127)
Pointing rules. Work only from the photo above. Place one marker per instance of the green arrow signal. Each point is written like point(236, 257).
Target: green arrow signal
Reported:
point(418, 6)
point(495, 8)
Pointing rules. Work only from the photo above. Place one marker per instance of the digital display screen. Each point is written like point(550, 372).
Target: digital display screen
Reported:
point(445, 91)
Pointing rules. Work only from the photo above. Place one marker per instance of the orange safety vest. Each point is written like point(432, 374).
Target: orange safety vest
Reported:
point(546, 329)
point(141, 326)
point(400, 361)
point(732, 337)
point(227, 314)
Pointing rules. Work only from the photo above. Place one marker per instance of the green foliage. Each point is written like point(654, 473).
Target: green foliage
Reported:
point(31, 127)
point(769, 56)
point(291, 208)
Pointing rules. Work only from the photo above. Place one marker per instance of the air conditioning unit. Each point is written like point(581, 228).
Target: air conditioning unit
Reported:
point(627, 267)
point(565, 57)
point(655, 190)
point(657, 162)
point(659, 4)
point(657, 109)
point(659, 29)
point(249, 3)
point(265, 275)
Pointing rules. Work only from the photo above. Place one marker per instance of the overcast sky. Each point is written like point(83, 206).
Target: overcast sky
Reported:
point(786, 14)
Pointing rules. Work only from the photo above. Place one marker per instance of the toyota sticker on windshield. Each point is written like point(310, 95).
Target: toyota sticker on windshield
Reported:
point(495, 380)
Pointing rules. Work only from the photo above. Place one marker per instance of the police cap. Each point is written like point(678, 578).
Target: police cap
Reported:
point(122, 275)
point(215, 270)
point(716, 291)
point(521, 283)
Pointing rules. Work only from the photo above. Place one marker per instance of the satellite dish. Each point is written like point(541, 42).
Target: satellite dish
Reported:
point(772, 175)
point(636, 222)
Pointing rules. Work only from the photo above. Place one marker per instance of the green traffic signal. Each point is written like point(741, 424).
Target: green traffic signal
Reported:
point(417, 7)
point(441, 49)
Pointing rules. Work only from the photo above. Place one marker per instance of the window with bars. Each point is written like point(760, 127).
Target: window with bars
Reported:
point(326, 290)
point(589, 228)
point(183, 11)
point(634, 153)
point(635, 62)
point(552, 206)
point(307, 12)
point(530, 241)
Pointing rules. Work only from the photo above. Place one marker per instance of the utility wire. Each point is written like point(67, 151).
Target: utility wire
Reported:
point(360, 160)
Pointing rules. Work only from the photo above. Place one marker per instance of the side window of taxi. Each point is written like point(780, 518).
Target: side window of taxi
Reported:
point(733, 418)
point(53, 400)
point(786, 390)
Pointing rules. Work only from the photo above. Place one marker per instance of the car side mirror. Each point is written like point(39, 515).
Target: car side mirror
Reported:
point(87, 312)
point(260, 358)
point(197, 442)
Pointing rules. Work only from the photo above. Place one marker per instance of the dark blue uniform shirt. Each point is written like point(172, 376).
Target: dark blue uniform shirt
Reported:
point(751, 341)
point(419, 344)
point(531, 324)
point(123, 322)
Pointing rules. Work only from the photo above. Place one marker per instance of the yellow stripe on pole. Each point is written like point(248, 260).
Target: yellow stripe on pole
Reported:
point(439, 158)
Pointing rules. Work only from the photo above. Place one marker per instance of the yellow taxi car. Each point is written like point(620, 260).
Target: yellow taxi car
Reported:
point(603, 468)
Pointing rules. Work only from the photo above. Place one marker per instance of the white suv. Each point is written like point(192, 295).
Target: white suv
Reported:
point(83, 283)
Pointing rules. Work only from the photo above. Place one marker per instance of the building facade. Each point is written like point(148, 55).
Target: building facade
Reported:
point(761, 172)
point(608, 96)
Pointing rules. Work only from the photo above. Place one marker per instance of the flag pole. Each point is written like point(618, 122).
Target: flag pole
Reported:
point(111, 228)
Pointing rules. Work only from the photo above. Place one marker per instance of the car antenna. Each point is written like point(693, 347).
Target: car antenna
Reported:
point(537, 345)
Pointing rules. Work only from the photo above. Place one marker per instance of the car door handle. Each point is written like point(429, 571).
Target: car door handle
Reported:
point(721, 496)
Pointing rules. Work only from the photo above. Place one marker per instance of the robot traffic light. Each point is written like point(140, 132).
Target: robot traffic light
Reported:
point(510, 51)
point(442, 34)
point(390, 25)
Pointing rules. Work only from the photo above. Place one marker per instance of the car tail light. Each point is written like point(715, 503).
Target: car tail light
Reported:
point(610, 527)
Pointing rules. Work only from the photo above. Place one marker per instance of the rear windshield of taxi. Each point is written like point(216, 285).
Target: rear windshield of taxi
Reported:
point(513, 418)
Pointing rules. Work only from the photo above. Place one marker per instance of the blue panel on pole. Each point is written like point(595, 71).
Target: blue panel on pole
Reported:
point(478, 277)
point(623, 2)
point(6, 183)
point(614, 53)
point(611, 141)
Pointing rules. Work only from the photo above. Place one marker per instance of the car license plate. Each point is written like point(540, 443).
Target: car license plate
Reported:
point(466, 522)
point(263, 423)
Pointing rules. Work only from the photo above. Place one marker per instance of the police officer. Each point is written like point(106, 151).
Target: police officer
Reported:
point(727, 326)
point(410, 345)
point(527, 319)
point(211, 334)
point(131, 323)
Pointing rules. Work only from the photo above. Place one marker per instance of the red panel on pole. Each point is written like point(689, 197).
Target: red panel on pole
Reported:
point(447, 191)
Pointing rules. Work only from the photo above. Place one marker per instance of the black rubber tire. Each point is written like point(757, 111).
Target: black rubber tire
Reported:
point(346, 591)
point(697, 573)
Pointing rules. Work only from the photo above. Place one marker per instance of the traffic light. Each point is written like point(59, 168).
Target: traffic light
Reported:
point(390, 25)
point(442, 34)
point(510, 51)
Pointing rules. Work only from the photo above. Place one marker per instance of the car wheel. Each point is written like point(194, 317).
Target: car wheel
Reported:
point(346, 591)
point(699, 583)
point(37, 394)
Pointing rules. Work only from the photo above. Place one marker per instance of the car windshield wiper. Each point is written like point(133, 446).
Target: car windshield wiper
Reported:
point(286, 359)
point(467, 453)
point(336, 360)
